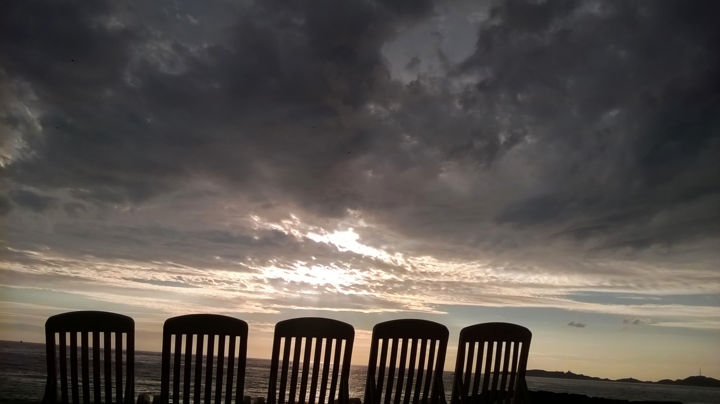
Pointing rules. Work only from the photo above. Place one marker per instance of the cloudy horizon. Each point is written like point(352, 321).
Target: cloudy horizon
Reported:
point(553, 164)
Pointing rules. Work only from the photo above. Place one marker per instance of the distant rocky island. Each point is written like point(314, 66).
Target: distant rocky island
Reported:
point(698, 381)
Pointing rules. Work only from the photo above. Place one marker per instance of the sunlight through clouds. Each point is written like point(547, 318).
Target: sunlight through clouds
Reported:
point(348, 240)
point(315, 275)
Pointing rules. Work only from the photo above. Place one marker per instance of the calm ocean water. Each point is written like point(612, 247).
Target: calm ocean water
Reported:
point(22, 378)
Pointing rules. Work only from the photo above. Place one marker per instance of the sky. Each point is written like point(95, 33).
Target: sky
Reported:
point(554, 164)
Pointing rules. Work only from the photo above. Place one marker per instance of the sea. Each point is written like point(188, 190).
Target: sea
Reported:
point(22, 380)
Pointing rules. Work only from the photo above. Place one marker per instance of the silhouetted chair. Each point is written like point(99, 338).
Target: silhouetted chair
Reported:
point(497, 354)
point(101, 332)
point(329, 343)
point(199, 331)
point(421, 345)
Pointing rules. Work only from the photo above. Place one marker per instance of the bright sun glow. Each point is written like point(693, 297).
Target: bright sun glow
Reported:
point(316, 275)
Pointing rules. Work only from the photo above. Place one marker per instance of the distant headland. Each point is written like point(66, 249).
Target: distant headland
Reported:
point(697, 381)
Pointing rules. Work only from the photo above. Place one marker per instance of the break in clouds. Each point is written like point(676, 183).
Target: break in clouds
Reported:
point(369, 156)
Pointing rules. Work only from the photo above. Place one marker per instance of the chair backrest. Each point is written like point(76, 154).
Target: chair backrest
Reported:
point(324, 345)
point(103, 333)
point(497, 354)
point(198, 332)
point(421, 345)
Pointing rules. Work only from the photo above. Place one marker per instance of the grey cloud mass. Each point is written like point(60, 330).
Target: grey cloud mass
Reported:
point(571, 130)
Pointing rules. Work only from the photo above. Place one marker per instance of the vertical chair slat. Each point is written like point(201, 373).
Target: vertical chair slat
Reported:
point(316, 370)
point(326, 369)
point(242, 359)
point(73, 367)
point(411, 371)
point(478, 367)
point(457, 379)
point(219, 375)
point(285, 364)
point(381, 371)
point(63, 367)
point(274, 359)
point(231, 370)
point(469, 356)
point(429, 376)
point(295, 365)
point(488, 366)
point(118, 367)
point(513, 366)
point(175, 367)
point(421, 367)
point(496, 366)
point(524, 347)
point(209, 368)
point(85, 371)
point(391, 370)
point(198, 367)
point(506, 358)
point(165, 369)
point(130, 366)
point(345, 371)
point(96, 365)
point(177, 356)
point(187, 371)
point(438, 387)
point(335, 368)
point(512, 370)
point(401, 370)
point(306, 369)
point(107, 361)
point(370, 380)
point(51, 386)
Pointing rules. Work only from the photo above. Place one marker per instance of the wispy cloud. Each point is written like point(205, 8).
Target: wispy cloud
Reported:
point(341, 272)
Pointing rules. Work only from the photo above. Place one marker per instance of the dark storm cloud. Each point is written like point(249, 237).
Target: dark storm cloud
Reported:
point(74, 208)
point(32, 200)
point(621, 100)
point(71, 56)
point(63, 46)
point(131, 112)
point(413, 63)
point(5, 206)
point(586, 121)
